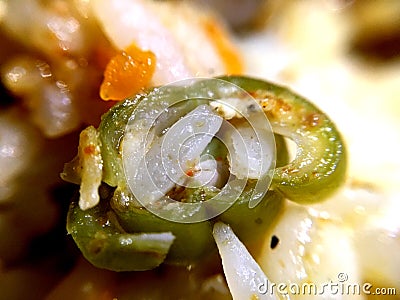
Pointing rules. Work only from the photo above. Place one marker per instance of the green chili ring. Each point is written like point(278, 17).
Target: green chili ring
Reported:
point(120, 235)
point(319, 167)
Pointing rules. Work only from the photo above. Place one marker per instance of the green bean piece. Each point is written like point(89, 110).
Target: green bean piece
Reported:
point(319, 167)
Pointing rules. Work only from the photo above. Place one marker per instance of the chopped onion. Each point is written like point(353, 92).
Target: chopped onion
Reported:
point(171, 155)
point(245, 278)
point(186, 140)
point(88, 167)
point(251, 151)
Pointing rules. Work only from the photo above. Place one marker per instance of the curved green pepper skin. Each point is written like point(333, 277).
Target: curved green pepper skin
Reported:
point(318, 169)
point(112, 128)
point(192, 241)
point(320, 164)
point(105, 244)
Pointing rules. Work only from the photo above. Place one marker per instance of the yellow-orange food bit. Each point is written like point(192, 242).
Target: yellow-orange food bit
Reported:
point(127, 73)
point(230, 56)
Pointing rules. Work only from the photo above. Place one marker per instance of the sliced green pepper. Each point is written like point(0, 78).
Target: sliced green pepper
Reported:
point(106, 244)
point(319, 167)
point(102, 232)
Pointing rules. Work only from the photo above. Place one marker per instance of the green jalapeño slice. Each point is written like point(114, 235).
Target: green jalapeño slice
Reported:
point(165, 165)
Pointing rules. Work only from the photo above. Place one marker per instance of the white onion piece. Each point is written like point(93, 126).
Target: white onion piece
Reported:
point(252, 153)
point(243, 274)
point(91, 168)
point(186, 140)
point(205, 173)
point(170, 156)
point(86, 169)
point(208, 172)
point(151, 182)
point(230, 108)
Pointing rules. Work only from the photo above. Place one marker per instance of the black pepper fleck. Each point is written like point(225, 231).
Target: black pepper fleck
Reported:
point(274, 242)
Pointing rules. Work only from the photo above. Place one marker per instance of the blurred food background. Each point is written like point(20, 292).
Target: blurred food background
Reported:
point(342, 55)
